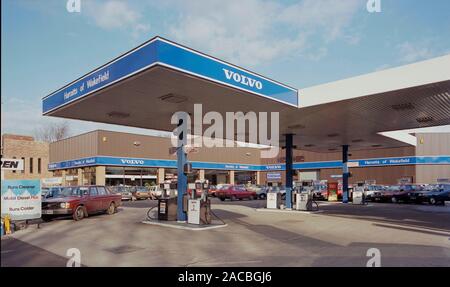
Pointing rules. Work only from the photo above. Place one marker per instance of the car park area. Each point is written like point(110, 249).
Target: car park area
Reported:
point(336, 235)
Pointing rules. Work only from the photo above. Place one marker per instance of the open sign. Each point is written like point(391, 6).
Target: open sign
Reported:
point(12, 164)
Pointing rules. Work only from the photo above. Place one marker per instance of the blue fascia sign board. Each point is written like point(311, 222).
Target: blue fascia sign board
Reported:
point(273, 175)
point(142, 162)
point(165, 53)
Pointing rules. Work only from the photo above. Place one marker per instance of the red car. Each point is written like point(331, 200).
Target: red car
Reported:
point(234, 192)
point(81, 201)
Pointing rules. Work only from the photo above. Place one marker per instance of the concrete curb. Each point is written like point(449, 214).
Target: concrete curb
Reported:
point(185, 226)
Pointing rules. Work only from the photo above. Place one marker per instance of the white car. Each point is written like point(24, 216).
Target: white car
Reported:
point(156, 191)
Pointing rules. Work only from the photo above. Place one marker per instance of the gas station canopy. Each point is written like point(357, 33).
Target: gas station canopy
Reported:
point(147, 85)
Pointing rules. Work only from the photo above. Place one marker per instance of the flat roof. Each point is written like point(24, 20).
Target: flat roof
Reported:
point(147, 85)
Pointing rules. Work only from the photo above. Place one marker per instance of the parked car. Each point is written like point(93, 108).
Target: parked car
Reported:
point(52, 192)
point(262, 192)
point(81, 201)
point(404, 193)
point(420, 194)
point(320, 192)
point(385, 195)
point(156, 191)
point(124, 191)
point(140, 192)
point(213, 191)
point(253, 187)
point(234, 192)
point(279, 189)
point(439, 195)
point(369, 190)
point(44, 191)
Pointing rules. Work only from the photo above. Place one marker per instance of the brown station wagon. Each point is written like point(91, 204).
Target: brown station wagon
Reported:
point(80, 201)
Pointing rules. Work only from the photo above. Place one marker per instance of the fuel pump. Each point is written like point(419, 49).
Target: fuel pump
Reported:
point(167, 203)
point(358, 194)
point(199, 208)
point(273, 199)
point(304, 196)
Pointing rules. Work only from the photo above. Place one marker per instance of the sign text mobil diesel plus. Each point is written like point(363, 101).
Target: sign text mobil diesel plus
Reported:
point(242, 79)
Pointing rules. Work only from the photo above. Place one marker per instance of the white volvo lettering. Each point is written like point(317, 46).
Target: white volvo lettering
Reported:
point(238, 78)
point(133, 161)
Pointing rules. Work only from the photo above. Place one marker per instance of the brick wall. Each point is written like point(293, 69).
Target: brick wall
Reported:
point(16, 146)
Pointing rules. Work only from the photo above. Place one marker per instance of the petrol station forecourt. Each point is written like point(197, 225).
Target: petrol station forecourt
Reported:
point(346, 116)
point(173, 78)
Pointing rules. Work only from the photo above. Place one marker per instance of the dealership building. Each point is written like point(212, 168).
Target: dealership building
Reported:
point(112, 158)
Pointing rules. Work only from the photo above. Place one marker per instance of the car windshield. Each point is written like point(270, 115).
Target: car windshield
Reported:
point(70, 191)
point(444, 187)
point(53, 192)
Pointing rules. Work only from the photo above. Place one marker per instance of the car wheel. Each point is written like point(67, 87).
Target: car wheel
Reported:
point(394, 200)
point(111, 209)
point(78, 213)
point(255, 197)
point(262, 196)
point(433, 201)
point(222, 199)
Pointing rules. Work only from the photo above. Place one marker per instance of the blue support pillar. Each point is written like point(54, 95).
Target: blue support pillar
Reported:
point(182, 182)
point(182, 178)
point(289, 170)
point(345, 174)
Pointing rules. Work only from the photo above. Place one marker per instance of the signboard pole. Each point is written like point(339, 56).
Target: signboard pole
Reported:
point(289, 170)
point(345, 174)
point(182, 178)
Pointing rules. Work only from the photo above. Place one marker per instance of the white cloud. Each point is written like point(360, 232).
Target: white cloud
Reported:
point(252, 32)
point(330, 16)
point(319, 54)
point(414, 52)
point(116, 14)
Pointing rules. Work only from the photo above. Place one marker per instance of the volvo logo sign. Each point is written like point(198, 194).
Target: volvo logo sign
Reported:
point(252, 83)
point(133, 161)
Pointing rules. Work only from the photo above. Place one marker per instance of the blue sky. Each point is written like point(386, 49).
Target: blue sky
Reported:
point(300, 43)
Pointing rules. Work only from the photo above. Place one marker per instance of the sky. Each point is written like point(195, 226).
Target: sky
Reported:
point(300, 43)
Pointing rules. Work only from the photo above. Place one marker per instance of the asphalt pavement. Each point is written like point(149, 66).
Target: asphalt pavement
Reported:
point(337, 235)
